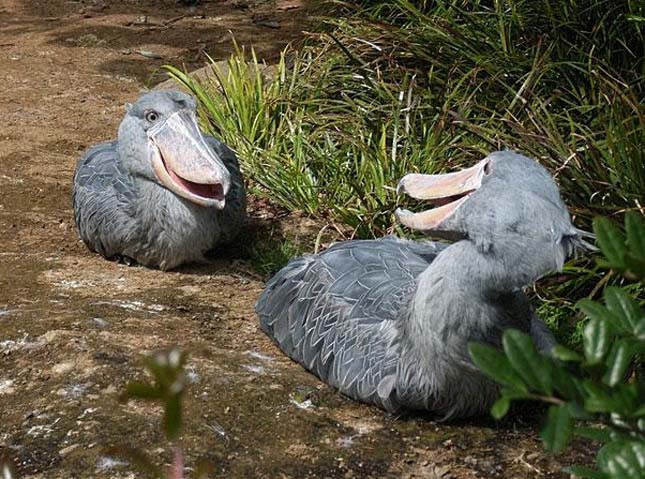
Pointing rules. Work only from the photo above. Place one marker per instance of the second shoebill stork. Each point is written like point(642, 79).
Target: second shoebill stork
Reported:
point(388, 321)
point(163, 193)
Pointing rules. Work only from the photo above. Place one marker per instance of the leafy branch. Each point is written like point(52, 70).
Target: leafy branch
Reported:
point(597, 394)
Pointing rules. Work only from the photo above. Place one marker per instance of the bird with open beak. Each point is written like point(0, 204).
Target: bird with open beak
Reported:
point(388, 321)
point(163, 193)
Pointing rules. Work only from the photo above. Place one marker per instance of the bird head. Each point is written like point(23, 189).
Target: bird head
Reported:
point(159, 139)
point(507, 204)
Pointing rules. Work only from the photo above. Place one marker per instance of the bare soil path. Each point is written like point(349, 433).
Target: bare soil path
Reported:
point(73, 326)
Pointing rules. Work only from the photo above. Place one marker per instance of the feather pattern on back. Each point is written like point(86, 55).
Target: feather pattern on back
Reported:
point(336, 313)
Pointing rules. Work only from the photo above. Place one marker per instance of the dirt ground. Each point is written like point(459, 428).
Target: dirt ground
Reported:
point(73, 327)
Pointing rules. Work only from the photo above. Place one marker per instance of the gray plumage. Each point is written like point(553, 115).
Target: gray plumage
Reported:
point(124, 210)
point(388, 321)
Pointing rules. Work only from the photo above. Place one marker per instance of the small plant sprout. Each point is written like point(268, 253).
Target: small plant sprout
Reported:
point(169, 383)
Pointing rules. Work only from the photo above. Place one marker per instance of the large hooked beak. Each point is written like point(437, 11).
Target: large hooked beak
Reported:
point(449, 191)
point(185, 164)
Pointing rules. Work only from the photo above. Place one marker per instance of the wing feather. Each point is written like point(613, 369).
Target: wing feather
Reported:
point(337, 313)
point(100, 197)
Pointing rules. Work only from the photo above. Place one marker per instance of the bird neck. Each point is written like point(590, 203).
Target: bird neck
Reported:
point(467, 294)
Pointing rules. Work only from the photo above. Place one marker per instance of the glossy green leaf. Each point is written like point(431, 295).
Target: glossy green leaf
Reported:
point(636, 266)
point(623, 459)
point(494, 364)
point(526, 360)
point(597, 399)
point(172, 417)
point(596, 340)
point(567, 385)
point(558, 429)
point(639, 330)
point(623, 399)
point(635, 230)
point(594, 433)
point(577, 411)
point(627, 398)
point(565, 354)
point(595, 310)
point(500, 408)
point(640, 412)
point(611, 241)
point(165, 366)
point(618, 362)
point(622, 305)
point(586, 473)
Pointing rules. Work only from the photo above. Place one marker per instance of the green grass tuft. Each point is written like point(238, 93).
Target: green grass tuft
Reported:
point(270, 255)
point(392, 87)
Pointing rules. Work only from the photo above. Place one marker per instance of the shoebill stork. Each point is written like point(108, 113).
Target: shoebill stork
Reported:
point(388, 321)
point(163, 193)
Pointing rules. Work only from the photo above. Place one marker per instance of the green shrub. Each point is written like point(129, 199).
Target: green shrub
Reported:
point(598, 394)
point(392, 87)
point(273, 253)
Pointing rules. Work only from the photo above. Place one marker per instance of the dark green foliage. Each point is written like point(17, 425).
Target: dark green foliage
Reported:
point(389, 87)
point(605, 386)
point(395, 87)
point(624, 252)
point(272, 253)
point(558, 430)
point(494, 363)
point(399, 86)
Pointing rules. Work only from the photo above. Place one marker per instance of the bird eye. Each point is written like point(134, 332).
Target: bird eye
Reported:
point(152, 116)
point(487, 168)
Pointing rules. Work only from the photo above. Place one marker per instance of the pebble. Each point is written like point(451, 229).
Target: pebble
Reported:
point(149, 54)
point(63, 368)
point(6, 386)
point(66, 450)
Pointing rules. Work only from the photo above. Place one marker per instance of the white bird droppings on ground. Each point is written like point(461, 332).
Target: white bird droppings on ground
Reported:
point(6, 386)
point(260, 356)
point(254, 368)
point(106, 463)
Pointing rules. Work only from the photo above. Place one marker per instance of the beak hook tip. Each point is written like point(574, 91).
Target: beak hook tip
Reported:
point(400, 187)
point(401, 213)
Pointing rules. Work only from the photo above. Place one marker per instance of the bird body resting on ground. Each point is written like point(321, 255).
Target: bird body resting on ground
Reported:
point(162, 194)
point(388, 321)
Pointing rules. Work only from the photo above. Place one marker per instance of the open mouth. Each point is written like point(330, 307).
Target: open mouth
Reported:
point(210, 195)
point(447, 192)
point(185, 164)
point(450, 199)
point(207, 191)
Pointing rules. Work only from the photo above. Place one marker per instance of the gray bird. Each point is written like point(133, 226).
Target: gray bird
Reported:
point(163, 194)
point(388, 321)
